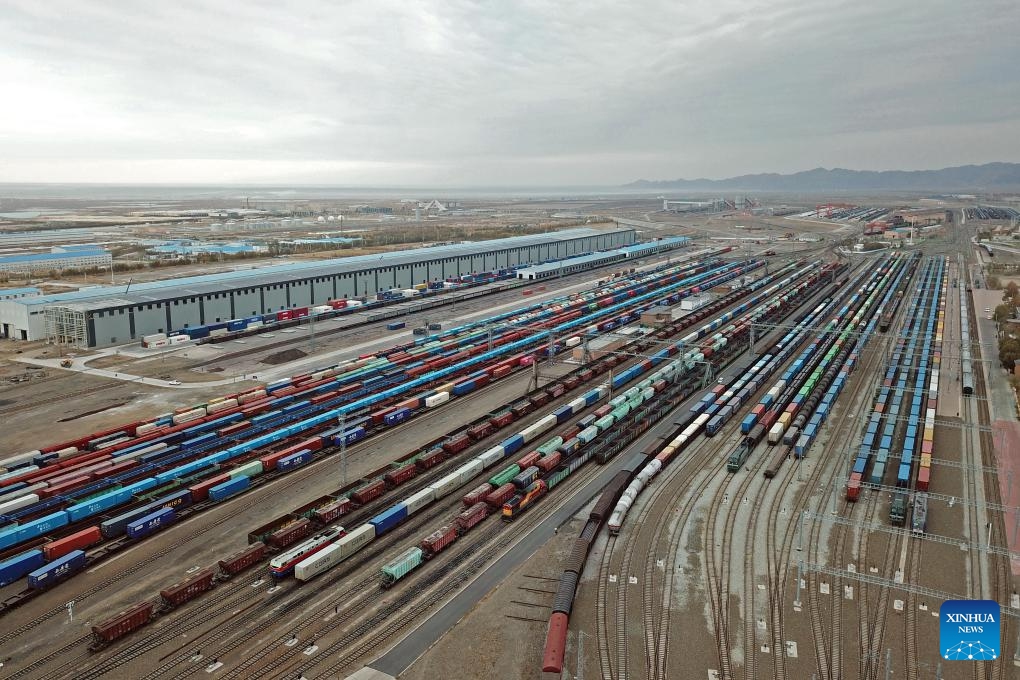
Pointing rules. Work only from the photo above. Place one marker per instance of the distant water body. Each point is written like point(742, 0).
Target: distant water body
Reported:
point(152, 192)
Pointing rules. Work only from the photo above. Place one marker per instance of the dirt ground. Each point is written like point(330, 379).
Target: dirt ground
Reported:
point(504, 635)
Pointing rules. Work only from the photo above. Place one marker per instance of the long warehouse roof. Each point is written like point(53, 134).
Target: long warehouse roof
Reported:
point(154, 291)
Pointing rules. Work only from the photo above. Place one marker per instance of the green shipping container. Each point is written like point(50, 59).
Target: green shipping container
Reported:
point(505, 476)
point(550, 446)
point(247, 470)
point(400, 567)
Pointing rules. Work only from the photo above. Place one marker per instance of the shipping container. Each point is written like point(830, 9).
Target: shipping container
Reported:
point(12, 569)
point(57, 570)
point(151, 523)
point(79, 540)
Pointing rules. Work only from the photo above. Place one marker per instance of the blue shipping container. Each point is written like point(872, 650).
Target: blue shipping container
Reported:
point(228, 489)
point(512, 445)
point(19, 565)
point(389, 518)
point(151, 523)
point(32, 529)
point(116, 526)
point(294, 461)
point(350, 436)
point(398, 416)
point(58, 569)
point(97, 505)
point(563, 413)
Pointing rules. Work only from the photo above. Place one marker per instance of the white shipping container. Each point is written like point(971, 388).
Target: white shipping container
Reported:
point(218, 332)
point(20, 458)
point(145, 428)
point(470, 469)
point(179, 339)
point(410, 292)
point(329, 557)
point(420, 500)
point(447, 484)
point(153, 337)
point(492, 456)
point(15, 473)
point(188, 416)
point(255, 395)
point(18, 503)
point(321, 309)
point(221, 405)
point(353, 303)
point(437, 399)
point(776, 433)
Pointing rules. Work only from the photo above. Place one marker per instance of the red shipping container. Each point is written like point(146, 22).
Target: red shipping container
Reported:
point(62, 487)
point(240, 561)
point(200, 491)
point(923, 478)
point(530, 459)
point(431, 459)
point(853, 487)
point(401, 475)
point(499, 372)
point(547, 463)
point(470, 517)
point(456, 444)
point(369, 492)
point(477, 495)
point(331, 511)
point(290, 534)
point(379, 416)
point(76, 541)
point(233, 429)
point(497, 498)
point(436, 541)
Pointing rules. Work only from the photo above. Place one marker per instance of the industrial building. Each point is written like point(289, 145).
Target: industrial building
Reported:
point(550, 270)
point(65, 257)
point(110, 315)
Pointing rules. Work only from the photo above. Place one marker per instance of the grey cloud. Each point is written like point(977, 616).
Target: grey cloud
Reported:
point(484, 92)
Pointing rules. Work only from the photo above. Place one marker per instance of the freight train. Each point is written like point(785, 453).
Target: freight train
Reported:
point(232, 483)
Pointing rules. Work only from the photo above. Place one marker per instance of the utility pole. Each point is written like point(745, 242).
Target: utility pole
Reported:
point(343, 446)
point(311, 325)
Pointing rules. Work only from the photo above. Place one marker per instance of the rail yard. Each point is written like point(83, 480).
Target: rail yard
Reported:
point(670, 458)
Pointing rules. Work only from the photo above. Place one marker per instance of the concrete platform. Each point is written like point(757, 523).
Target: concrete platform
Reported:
point(368, 673)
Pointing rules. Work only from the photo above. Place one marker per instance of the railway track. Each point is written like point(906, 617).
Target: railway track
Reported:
point(416, 596)
point(830, 644)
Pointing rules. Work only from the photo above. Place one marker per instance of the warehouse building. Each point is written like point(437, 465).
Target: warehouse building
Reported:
point(111, 315)
point(68, 257)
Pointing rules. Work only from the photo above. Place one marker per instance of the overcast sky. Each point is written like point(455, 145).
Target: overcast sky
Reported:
point(459, 93)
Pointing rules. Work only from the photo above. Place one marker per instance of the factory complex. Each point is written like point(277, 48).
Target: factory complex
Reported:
point(108, 315)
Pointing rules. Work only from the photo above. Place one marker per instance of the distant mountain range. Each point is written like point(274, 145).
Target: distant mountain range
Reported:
point(987, 177)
